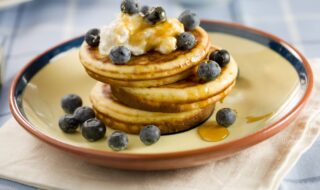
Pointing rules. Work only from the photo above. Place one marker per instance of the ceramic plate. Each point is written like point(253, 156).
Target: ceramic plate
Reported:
point(275, 82)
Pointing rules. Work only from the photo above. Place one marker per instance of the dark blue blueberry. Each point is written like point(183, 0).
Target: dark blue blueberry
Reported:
point(156, 14)
point(93, 129)
point(222, 57)
point(118, 141)
point(226, 117)
point(68, 124)
point(70, 102)
point(83, 113)
point(150, 134)
point(92, 37)
point(129, 7)
point(189, 20)
point(186, 41)
point(120, 55)
point(208, 71)
point(145, 10)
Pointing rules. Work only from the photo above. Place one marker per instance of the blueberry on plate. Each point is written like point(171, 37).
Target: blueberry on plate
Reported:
point(222, 57)
point(83, 113)
point(149, 134)
point(155, 15)
point(145, 10)
point(70, 102)
point(93, 129)
point(118, 141)
point(189, 20)
point(120, 55)
point(92, 37)
point(226, 117)
point(186, 41)
point(129, 7)
point(68, 124)
point(208, 71)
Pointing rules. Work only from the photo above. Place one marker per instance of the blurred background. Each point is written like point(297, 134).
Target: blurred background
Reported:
point(28, 27)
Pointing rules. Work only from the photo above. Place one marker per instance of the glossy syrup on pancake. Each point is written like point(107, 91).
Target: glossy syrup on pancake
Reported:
point(134, 102)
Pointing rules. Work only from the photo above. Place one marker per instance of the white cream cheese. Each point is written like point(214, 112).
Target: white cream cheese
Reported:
point(139, 36)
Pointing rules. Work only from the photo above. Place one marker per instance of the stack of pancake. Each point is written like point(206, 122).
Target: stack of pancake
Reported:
point(157, 89)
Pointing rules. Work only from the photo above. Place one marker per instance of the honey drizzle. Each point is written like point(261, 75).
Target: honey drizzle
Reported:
point(212, 132)
point(162, 30)
point(252, 119)
point(222, 100)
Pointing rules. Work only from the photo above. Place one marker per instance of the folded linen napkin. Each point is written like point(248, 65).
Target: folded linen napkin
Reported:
point(25, 159)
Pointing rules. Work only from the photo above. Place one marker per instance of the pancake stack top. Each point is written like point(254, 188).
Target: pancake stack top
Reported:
point(155, 70)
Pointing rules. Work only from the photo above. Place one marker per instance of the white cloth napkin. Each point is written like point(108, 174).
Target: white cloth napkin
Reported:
point(25, 159)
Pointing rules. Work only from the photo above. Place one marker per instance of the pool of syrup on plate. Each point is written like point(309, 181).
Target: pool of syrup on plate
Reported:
point(212, 132)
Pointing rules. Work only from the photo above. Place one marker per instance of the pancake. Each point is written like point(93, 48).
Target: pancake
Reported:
point(131, 120)
point(143, 83)
point(139, 103)
point(185, 91)
point(148, 67)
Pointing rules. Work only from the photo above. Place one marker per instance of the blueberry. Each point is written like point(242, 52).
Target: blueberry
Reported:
point(226, 117)
point(189, 20)
point(145, 10)
point(93, 129)
point(83, 113)
point(68, 124)
point(120, 55)
point(186, 41)
point(92, 37)
point(222, 57)
point(129, 6)
point(208, 71)
point(156, 14)
point(149, 134)
point(70, 102)
point(118, 141)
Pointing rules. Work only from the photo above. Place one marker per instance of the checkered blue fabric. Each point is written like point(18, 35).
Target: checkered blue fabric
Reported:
point(27, 29)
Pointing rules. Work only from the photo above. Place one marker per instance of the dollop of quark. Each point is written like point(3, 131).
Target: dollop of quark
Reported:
point(133, 32)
